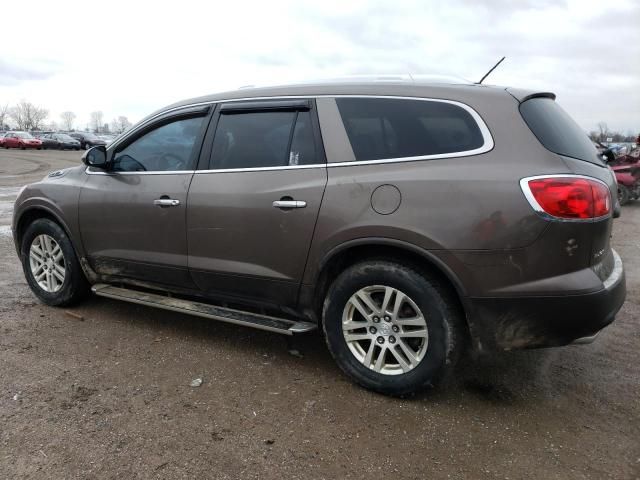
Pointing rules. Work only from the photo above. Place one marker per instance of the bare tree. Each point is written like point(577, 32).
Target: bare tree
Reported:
point(67, 120)
point(28, 116)
point(120, 124)
point(4, 112)
point(96, 121)
point(604, 131)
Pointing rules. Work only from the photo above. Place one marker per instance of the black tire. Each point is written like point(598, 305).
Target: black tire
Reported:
point(75, 286)
point(623, 195)
point(440, 309)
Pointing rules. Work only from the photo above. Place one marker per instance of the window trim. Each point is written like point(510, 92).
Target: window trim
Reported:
point(487, 146)
point(487, 138)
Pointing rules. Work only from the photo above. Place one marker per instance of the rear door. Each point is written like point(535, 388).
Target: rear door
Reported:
point(252, 210)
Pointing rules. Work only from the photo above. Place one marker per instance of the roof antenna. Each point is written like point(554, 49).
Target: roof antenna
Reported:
point(489, 72)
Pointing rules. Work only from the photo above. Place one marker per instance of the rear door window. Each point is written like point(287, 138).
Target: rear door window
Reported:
point(385, 128)
point(263, 139)
point(557, 131)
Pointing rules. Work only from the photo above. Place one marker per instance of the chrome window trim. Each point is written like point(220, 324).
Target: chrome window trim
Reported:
point(526, 190)
point(263, 169)
point(487, 145)
point(88, 171)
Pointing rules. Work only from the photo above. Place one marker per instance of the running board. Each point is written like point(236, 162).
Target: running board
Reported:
point(248, 319)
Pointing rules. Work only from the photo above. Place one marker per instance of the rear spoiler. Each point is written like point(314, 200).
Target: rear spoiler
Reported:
point(524, 95)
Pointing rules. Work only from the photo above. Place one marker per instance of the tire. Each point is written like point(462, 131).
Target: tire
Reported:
point(435, 354)
point(623, 195)
point(22, 147)
point(73, 287)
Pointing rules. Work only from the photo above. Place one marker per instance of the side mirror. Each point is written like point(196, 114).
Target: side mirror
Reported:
point(95, 157)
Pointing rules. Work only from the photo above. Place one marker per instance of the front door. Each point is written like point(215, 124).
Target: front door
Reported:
point(251, 215)
point(132, 215)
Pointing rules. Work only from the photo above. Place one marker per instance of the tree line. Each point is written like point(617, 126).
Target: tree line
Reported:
point(603, 133)
point(29, 117)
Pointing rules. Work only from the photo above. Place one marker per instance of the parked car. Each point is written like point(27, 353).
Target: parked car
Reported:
point(46, 141)
point(60, 141)
point(21, 140)
point(107, 138)
point(408, 222)
point(87, 140)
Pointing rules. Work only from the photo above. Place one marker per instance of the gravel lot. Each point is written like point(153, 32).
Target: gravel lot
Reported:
point(103, 391)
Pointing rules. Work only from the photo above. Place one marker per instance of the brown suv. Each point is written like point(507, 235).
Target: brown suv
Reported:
point(402, 219)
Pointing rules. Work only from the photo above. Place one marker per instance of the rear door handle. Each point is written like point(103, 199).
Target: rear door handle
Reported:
point(166, 202)
point(289, 204)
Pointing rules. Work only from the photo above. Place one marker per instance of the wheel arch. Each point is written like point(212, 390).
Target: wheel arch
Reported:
point(34, 213)
point(351, 252)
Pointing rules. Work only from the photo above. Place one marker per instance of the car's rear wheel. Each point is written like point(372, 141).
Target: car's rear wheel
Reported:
point(50, 264)
point(391, 328)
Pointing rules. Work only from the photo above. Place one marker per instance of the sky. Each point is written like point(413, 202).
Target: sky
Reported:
point(131, 58)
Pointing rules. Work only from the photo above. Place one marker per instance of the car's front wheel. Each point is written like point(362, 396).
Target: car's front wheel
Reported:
point(50, 264)
point(391, 328)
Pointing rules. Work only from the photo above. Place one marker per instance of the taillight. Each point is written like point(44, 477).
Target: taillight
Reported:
point(567, 196)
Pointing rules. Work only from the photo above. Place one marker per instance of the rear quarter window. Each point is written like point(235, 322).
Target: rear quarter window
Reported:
point(557, 131)
point(386, 128)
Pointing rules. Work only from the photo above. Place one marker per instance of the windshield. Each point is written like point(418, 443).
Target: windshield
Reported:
point(90, 136)
point(66, 138)
point(23, 135)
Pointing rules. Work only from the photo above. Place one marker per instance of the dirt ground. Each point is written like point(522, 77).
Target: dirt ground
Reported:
point(104, 392)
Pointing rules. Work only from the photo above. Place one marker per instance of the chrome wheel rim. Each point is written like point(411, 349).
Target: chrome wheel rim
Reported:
point(385, 330)
point(47, 263)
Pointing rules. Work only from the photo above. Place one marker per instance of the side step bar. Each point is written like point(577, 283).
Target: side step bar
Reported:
point(248, 319)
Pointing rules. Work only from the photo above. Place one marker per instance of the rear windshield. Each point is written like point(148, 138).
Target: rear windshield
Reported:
point(557, 131)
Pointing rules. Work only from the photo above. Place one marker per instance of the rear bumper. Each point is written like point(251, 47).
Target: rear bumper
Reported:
point(515, 322)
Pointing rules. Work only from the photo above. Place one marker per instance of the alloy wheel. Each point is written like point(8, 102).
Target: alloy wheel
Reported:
point(385, 330)
point(47, 263)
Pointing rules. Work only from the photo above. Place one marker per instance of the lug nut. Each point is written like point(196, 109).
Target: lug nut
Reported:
point(372, 330)
point(387, 318)
point(395, 328)
point(376, 319)
point(380, 340)
point(392, 339)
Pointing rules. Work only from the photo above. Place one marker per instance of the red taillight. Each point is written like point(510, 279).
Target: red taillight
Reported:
point(568, 196)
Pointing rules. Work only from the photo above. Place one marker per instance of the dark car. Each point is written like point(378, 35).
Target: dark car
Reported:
point(21, 140)
point(61, 141)
point(87, 140)
point(46, 141)
point(406, 221)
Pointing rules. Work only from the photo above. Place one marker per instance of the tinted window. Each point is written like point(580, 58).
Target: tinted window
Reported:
point(263, 139)
point(557, 131)
point(167, 148)
point(394, 128)
point(303, 150)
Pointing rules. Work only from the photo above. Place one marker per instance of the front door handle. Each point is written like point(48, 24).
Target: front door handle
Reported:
point(289, 204)
point(166, 202)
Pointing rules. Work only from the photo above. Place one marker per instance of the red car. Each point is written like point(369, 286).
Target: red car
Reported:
point(20, 140)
